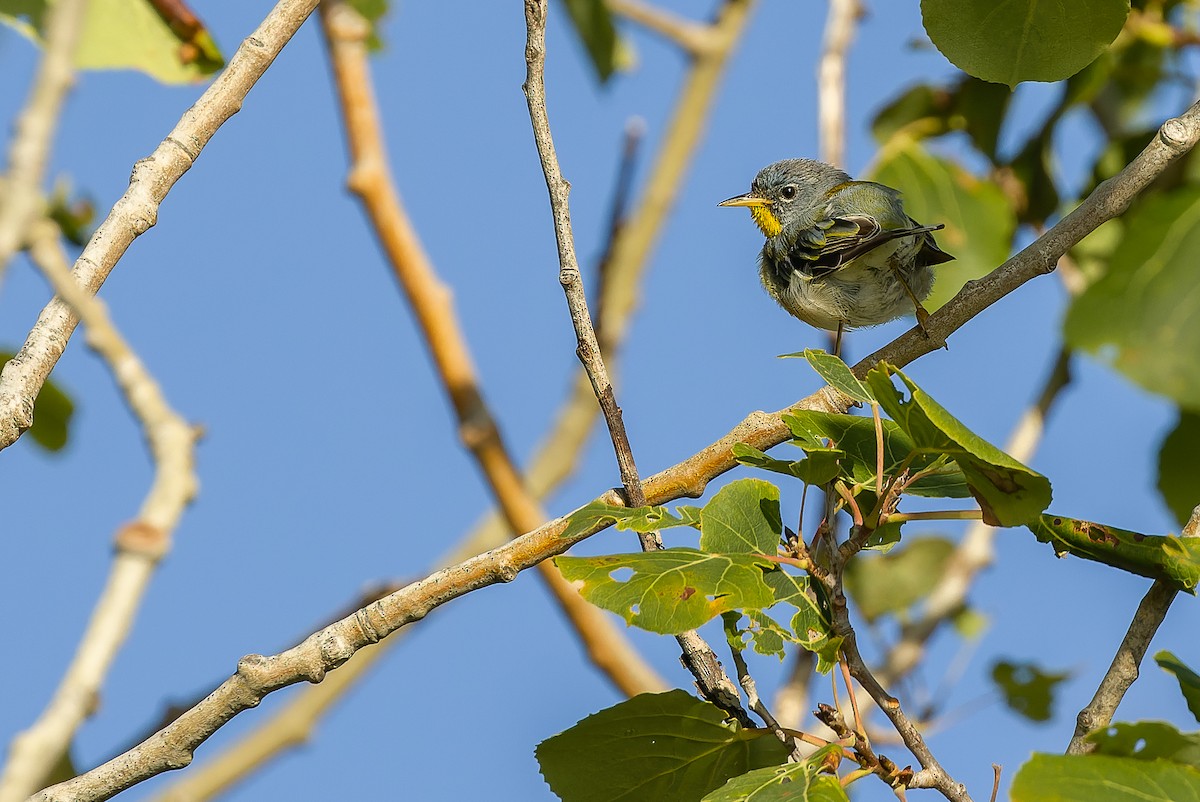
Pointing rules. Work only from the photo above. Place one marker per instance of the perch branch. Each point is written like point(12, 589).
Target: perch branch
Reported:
point(173, 746)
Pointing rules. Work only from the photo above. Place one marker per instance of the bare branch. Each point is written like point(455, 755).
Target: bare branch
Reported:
point(137, 210)
point(1124, 668)
point(140, 544)
point(30, 150)
point(323, 651)
point(346, 33)
point(698, 656)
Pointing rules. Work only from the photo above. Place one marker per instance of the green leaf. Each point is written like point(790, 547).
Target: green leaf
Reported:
point(1189, 681)
point(1173, 559)
point(1022, 40)
point(794, 782)
point(131, 34)
point(52, 413)
point(893, 582)
point(1178, 468)
point(855, 436)
point(743, 518)
point(837, 374)
point(921, 111)
point(654, 746)
point(1103, 778)
point(598, 515)
point(818, 467)
point(672, 590)
point(593, 22)
point(1143, 315)
point(1009, 493)
point(979, 220)
point(1027, 689)
point(74, 216)
point(811, 626)
point(1148, 740)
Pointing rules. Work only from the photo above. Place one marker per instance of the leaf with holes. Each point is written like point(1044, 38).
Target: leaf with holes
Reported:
point(1148, 740)
point(598, 515)
point(671, 590)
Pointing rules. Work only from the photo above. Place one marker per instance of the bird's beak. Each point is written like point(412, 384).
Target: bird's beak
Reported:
point(745, 200)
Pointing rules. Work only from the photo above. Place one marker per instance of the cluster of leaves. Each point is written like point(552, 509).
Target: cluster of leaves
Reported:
point(748, 566)
point(1136, 310)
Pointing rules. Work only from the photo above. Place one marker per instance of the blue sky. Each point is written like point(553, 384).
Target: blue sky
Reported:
point(261, 303)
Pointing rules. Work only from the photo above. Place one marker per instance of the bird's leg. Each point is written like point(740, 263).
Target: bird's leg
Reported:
point(918, 309)
point(837, 338)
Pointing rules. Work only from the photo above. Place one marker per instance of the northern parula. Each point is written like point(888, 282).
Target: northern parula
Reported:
point(839, 253)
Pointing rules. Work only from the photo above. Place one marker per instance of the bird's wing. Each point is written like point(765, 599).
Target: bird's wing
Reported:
point(831, 243)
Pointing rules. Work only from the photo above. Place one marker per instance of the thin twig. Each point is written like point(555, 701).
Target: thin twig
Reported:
point(698, 656)
point(137, 210)
point(172, 747)
point(346, 34)
point(35, 127)
point(140, 544)
point(1124, 668)
point(756, 703)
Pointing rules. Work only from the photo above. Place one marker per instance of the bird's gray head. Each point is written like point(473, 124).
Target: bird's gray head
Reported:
point(792, 189)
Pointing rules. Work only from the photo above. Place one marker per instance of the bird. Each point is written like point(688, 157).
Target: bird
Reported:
point(839, 253)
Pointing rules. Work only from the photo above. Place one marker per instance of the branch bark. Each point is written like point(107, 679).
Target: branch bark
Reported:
point(1123, 670)
point(714, 684)
point(140, 544)
point(173, 746)
point(137, 210)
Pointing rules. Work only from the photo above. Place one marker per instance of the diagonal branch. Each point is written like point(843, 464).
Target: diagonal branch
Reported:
point(1124, 668)
point(140, 545)
point(173, 746)
point(137, 210)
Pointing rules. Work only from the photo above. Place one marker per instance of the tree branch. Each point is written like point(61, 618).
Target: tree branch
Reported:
point(346, 33)
point(35, 127)
point(173, 746)
point(140, 545)
point(698, 656)
point(137, 210)
point(1124, 668)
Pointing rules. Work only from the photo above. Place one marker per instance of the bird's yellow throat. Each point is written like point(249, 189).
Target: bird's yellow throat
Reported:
point(766, 220)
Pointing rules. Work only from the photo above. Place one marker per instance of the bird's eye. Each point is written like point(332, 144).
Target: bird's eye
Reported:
point(788, 192)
